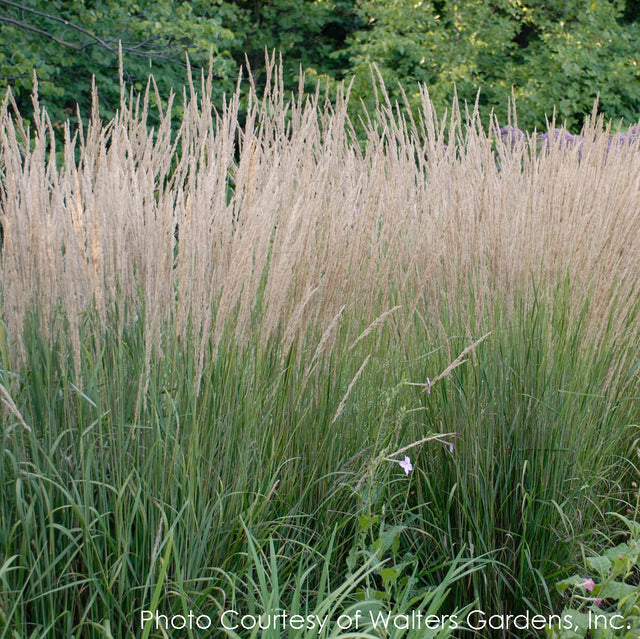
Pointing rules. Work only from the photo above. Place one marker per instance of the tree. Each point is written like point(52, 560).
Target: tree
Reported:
point(66, 42)
point(552, 54)
point(578, 54)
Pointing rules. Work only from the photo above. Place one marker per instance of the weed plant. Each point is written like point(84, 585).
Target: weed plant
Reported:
point(213, 346)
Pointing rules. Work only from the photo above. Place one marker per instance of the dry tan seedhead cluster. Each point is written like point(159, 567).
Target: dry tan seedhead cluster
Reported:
point(288, 224)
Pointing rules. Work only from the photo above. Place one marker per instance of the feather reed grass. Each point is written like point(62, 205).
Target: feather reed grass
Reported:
point(289, 203)
point(212, 331)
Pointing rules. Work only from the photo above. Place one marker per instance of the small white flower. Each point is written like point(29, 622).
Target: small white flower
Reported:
point(405, 464)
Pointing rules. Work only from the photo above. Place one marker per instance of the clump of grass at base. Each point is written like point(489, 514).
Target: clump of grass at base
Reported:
point(204, 346)
point(536, 463)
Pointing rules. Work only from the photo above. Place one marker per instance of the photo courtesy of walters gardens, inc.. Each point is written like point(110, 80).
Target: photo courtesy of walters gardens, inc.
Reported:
point(382, 622)
point(320, 319)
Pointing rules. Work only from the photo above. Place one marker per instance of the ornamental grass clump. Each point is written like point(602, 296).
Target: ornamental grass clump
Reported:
point(272, 227)
point(206, 326)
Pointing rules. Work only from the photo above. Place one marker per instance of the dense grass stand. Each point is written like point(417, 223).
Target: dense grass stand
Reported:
point(383, 386)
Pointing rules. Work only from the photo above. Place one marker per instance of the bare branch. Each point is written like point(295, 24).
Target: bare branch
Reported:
point(48, 16)
point(111, 45)
point(28, 27)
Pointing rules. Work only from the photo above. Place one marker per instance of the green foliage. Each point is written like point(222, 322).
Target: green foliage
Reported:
point(526, 434)
point(67, 43)
point(607, 604)
point(108, 509)
point(194, 499)
point(456, 44)
point(309, 35)
point(549, 54)
point(388, 529)
point(585, 54)
point(560, 55)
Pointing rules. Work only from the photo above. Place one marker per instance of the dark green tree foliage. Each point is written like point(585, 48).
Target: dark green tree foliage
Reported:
point(68, 41)
point(582, 51)
point(552, 53)
point(310, 35)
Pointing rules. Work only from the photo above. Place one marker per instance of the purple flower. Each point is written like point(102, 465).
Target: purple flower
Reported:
point(630, 138)
point(588, 584)
point(451, 448)
point(512, 136)
point(562, 139)
point(405, 464)
point(598, 602)
point(428, 386)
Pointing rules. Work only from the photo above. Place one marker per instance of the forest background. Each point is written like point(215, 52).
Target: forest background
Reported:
point(550, 53)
